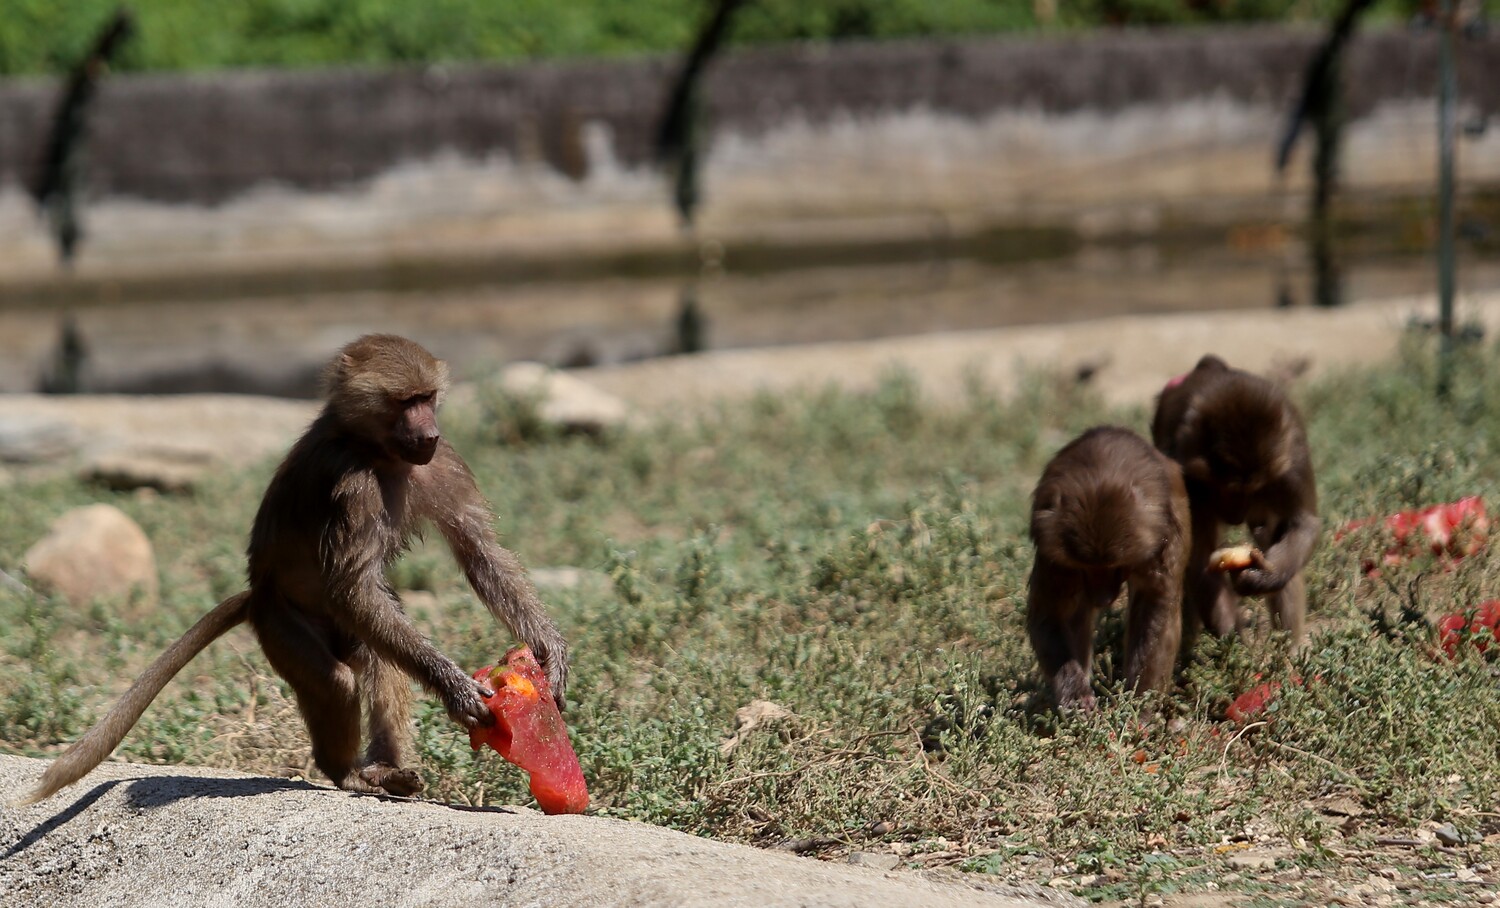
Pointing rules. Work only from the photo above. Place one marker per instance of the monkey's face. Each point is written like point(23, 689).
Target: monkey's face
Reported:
point(415, 436)
point(1235, 480)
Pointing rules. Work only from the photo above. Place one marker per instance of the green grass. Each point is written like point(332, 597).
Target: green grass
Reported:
point(860, 560)
point(52, 35)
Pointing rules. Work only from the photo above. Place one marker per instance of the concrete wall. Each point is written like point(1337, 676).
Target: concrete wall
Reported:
point(208, 138)
point(1115, 130)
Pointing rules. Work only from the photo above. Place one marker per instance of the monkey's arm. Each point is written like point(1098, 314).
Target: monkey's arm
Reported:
point(497, 575)
point(1287, 545)
point(362, 603)
point(368, 609)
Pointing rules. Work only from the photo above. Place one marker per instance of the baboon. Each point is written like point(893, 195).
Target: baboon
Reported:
point(1244, 455)
point(341, 508)
point(1109, 511)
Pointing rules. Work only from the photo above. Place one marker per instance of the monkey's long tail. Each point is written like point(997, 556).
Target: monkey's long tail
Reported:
point(101, 740)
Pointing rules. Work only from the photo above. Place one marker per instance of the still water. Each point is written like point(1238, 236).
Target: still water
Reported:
point(272, 336)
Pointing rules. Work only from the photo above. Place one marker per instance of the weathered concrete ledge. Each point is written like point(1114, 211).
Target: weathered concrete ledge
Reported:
point(349, 170)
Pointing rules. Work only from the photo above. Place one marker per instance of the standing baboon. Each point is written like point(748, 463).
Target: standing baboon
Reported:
point(341, 508)
point(1244, 455)
point(1109, 511)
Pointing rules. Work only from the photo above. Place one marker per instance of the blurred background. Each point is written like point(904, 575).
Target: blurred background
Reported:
point(213, 197)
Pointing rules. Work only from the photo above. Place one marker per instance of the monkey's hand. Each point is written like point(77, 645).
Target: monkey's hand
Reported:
point(1257, 581)
point(552, 652)
point(465, 703)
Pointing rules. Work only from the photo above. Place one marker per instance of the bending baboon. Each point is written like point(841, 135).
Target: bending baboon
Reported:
point(341, 508)
point(1109, 511)
point(1244, 455)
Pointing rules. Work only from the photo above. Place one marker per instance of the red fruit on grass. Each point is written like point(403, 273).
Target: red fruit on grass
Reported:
point(1252, 701)
point(530, 733)
point(1456, 529)
point(1451, 628)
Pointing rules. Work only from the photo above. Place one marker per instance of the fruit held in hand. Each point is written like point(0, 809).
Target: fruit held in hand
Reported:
point(530, 733)
point(1236, 558)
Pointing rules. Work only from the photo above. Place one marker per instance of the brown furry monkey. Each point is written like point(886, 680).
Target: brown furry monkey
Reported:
point(341, 508)
point(1109, 511)
point(1244, 455)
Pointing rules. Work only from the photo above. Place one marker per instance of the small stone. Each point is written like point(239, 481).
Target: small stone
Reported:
point(874, 860)
point(1343, 807)
point(564, 401)
point(1449, 835)
point(1252, 861)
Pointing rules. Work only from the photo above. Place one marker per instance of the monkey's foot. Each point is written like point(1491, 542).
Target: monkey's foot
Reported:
point(383, 778)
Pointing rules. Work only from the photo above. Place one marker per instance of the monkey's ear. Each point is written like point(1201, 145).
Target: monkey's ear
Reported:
point(1211, 363)
point(335, 372)
point(1044, 511)
point(1197, 468)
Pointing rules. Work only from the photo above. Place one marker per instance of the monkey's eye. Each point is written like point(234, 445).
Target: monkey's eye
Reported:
point(416, 399)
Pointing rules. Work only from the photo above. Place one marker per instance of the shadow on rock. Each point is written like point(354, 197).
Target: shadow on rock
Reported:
point(59, 820)
point(160, 791)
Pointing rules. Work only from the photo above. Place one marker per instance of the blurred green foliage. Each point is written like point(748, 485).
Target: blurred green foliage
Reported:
point(48, 36)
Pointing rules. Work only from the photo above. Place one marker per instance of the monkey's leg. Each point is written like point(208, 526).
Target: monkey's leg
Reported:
point(387, 693)
point(1060, 622)
point(1288, 605)
point(1153, 630)
point(326, 689)
point(1289, 610)
point(1218, 605)
point(1208, 595)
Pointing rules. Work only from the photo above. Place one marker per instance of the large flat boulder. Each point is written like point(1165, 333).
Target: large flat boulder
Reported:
point(164, 836)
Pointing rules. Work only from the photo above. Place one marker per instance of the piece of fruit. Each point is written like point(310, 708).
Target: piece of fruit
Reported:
point(1452, 629)
point(530, 733)
point(1235, 558)
point(1252, 702)
point(1255, 700)
point(1450, 531)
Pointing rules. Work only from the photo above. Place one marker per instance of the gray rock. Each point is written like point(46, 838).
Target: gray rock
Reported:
point(563, 400)
point(1449, 835)
point(32, 439)
point(1252, 861)
point(93, 552)
point(874, 860)
point(277, 842)
point(162, 470)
